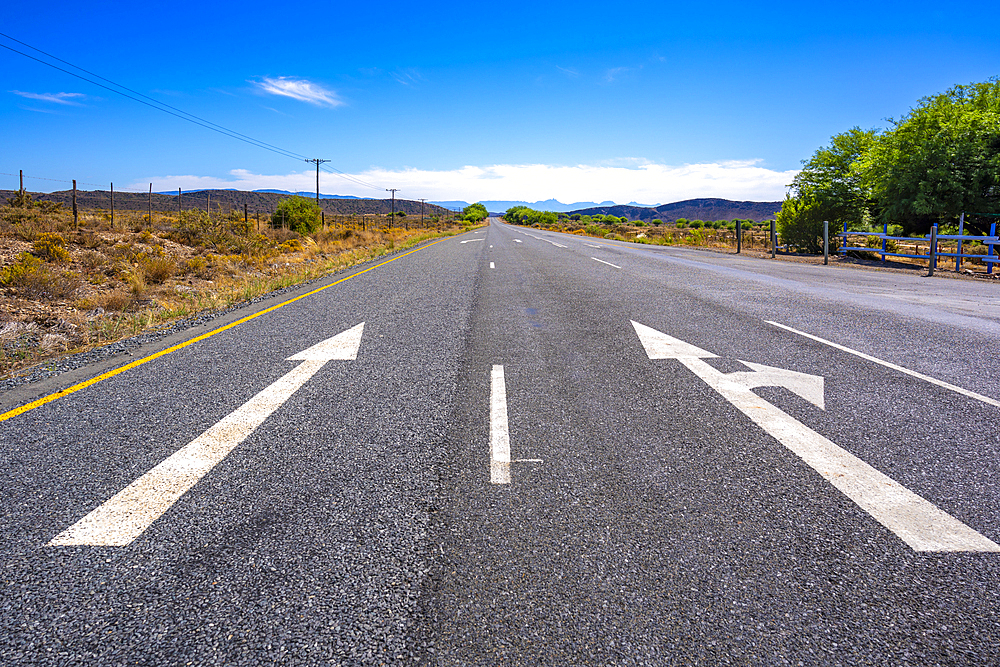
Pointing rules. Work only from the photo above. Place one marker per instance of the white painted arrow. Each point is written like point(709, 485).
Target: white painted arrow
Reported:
point(127, 514)
point(914, 520)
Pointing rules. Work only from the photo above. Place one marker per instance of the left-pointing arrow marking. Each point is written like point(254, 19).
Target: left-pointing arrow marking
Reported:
point(126, 515)
point(916, 521)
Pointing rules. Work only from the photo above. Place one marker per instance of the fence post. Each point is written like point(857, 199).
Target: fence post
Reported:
point(826, 242)
point(774, 239)
point(739, 235)
point(932, 251)
point(112, 205)
point(991, 246)
point(885, 242)
point(76, 220)
point(961, 231)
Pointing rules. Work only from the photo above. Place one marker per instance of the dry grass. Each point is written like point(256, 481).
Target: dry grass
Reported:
point(116, 281)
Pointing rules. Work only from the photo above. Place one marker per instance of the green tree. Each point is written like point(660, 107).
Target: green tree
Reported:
point(941, 159)
point(800, 223)
point(298, 214)
point(832, 180)
point(475, 213)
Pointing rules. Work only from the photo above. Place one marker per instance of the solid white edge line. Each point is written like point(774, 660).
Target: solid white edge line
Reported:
point(868, 357)
point(499, 433)
point(603, 262)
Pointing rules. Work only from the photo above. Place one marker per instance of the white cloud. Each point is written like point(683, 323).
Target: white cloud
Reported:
point(58, 98)
point(638, 181)
point(299, 89)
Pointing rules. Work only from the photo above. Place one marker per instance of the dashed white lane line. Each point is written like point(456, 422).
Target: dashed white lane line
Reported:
point(127, 514)
point(492, 266)
point(603, 262)
point(591, 245)
point(499, 433)
point(867, 357)
point(517, 240)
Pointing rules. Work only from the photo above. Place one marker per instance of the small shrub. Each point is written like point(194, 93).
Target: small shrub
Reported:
point(158, 269)
point(118, 300)
point(31, 278)
point(92, 259)
point(696, 224)
point(50, 247)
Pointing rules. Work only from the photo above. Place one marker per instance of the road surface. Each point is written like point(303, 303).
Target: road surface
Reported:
point(519, 447)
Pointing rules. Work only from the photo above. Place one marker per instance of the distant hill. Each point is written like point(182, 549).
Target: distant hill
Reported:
point(501, 206)
point(692, 209)
point(260, 201)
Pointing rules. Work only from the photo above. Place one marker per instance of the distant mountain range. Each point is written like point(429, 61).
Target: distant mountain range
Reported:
point(500, 206)
point(223, 201)
point(692, 209)
point(311, 195)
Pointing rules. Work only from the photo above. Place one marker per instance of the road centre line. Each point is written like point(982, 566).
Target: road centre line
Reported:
point(139, 362)
point(499, 431)
point(907, 371)
point(603, 262)
point(127, 514)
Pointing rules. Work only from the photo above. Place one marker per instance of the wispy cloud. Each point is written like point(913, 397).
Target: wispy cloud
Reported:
point(299, 89)
point(633, 179)
point(407, 77)
point(57, 98)
point(568, 71)
point(612, 74)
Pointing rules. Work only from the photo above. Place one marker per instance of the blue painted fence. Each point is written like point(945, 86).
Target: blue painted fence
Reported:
point(992, 243)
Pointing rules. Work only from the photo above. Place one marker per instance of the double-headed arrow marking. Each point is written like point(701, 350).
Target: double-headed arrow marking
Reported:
point(914, 520)
point(131, 511)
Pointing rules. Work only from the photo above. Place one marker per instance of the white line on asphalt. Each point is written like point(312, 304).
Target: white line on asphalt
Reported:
point(527, 461)
point(499, 434)
point(517, 240)
point(603, 262)
point(126, 515)
point(914, 520)
point(591, 245)
point(926, 378)
point(492, 266)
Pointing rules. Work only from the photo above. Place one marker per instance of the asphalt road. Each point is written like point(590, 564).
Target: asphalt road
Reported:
point(667, 499)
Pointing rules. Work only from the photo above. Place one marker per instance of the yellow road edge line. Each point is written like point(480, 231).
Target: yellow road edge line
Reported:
point(138, 362)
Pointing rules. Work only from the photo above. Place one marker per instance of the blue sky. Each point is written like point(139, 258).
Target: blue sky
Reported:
point(629, 101)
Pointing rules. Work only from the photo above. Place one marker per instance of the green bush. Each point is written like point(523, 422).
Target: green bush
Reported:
point(298, 214)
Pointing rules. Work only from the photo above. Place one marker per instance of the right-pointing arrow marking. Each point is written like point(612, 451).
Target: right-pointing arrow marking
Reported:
point(914, 520)
point(127, 514)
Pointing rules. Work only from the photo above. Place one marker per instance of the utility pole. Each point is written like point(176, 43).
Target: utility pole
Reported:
point(393, 191)
point(112, 205)
point(422, 213)
point(150, 204)
point(317, 162)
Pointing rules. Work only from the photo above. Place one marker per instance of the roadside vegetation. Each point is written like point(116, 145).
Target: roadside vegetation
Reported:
point(938, 161)
point(66, 287)
point(707, 233)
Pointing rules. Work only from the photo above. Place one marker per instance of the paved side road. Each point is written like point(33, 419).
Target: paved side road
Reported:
point(500, 469)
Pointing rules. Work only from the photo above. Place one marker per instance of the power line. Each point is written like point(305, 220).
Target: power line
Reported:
point(173, 111)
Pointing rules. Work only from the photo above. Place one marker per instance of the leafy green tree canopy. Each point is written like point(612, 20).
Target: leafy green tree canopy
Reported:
point(941, 159)
point(298, 214)
point(475, 212)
